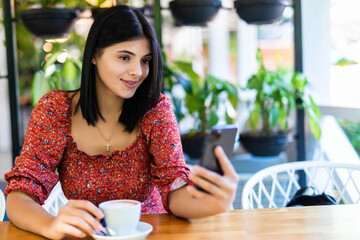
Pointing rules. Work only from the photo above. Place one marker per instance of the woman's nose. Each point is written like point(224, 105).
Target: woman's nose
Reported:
point(136, 69)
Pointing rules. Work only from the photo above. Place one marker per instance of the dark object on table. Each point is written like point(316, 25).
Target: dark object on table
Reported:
point(306, 197)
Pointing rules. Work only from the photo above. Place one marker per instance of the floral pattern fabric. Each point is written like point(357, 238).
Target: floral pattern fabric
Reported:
point(145, 170)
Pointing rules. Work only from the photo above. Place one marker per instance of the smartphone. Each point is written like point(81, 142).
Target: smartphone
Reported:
point(223, 135)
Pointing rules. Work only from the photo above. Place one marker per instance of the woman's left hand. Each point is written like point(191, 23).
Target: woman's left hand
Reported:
point(220, 190)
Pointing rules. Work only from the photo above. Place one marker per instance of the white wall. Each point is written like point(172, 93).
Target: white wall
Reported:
point(219, 49)
point(317, 47)
point(247, 44)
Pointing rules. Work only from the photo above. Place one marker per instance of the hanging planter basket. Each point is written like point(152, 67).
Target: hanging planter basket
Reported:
point(49, 22)
point(260, 11)
point(194, 12)
point(265, 146)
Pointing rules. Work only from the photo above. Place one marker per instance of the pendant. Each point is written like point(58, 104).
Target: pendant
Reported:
point(107, 145)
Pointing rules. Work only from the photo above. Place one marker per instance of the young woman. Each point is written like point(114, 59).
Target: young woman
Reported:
point(116, 137)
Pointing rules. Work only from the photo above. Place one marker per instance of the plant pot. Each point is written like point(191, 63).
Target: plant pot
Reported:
point(260, 11)
point(194, 12)
point(49, 22)
point(265, 145)
point(192, 145)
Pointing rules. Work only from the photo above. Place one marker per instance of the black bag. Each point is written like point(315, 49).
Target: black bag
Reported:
point(303, 198)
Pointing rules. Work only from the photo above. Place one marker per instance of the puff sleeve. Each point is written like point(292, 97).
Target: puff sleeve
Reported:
point(161, 130)
point(34, 171)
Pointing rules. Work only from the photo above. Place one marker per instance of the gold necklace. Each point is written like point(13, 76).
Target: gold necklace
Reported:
point(108, 144)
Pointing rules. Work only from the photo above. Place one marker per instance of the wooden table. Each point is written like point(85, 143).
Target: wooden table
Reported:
point(339, 222)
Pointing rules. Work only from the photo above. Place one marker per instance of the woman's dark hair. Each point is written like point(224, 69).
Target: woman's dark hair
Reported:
point(114, 25)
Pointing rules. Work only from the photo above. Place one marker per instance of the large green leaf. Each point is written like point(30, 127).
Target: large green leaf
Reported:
point(274, 116)
point(233, 93)
point(253, 119)
point(282, 119)
point(57, 79)
point(194, 78)
point(70, 71)
point(51, 60)
point(315, 127)
point(315, 108)
point(39, 87)
point(228, 119)
point(193, 103)
point(255, 82)
point(299, 81)
point(213, 119)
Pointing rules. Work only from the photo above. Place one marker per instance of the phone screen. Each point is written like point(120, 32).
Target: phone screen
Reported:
point(219, 135)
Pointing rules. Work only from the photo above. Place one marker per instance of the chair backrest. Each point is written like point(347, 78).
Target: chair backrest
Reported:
point(2, 205)
point(275, 186)
point(55, 200)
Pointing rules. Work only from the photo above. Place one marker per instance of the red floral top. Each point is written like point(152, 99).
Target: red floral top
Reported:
point(143, 171)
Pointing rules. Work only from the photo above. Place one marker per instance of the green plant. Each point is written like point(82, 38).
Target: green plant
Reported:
point(201, 101)
point(49, 3)
point(55, 75)
point(276, 94)
point(352, 131)
point(117, 2)
point(24, 4)
point(345, 62)
point(29, 47)
point(98, 3)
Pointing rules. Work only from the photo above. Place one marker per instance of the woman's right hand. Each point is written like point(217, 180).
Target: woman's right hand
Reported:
point(77, 218)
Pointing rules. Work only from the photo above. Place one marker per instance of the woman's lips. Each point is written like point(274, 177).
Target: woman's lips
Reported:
point(130, 84)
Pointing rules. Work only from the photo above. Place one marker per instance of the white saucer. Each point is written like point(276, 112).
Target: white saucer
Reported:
point(142, 230)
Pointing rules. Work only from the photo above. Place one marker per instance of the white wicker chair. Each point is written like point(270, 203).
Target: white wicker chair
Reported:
point(274, 186)
point(55, 200)
point(2, 205)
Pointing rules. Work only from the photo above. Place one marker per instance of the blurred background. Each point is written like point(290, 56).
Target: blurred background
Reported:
point(322, 41)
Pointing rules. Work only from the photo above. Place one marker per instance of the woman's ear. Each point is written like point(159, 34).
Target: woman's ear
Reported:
point(93, 60)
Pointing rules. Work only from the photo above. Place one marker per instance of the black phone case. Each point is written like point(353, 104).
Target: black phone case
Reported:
point(219, 135)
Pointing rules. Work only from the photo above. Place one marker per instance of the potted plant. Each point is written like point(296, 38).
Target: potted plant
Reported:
point(63, 75)
point(194, 12)
point(260, 11)
point(276, 95)
point(203, 102)
point(50, 18)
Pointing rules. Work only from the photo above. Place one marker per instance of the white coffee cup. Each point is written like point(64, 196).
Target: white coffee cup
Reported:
point(121, 216)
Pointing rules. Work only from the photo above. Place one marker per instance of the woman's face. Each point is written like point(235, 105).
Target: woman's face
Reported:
point(122, 67)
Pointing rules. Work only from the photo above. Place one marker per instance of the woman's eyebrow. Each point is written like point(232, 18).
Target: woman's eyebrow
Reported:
point(133, 54)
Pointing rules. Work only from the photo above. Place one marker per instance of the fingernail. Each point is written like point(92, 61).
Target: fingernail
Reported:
point(218, 149)
point(99, 227)
point(195, 169)
point(103, 223)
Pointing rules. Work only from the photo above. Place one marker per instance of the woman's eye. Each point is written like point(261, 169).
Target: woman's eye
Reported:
point(145, 60)
point(125, 58)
